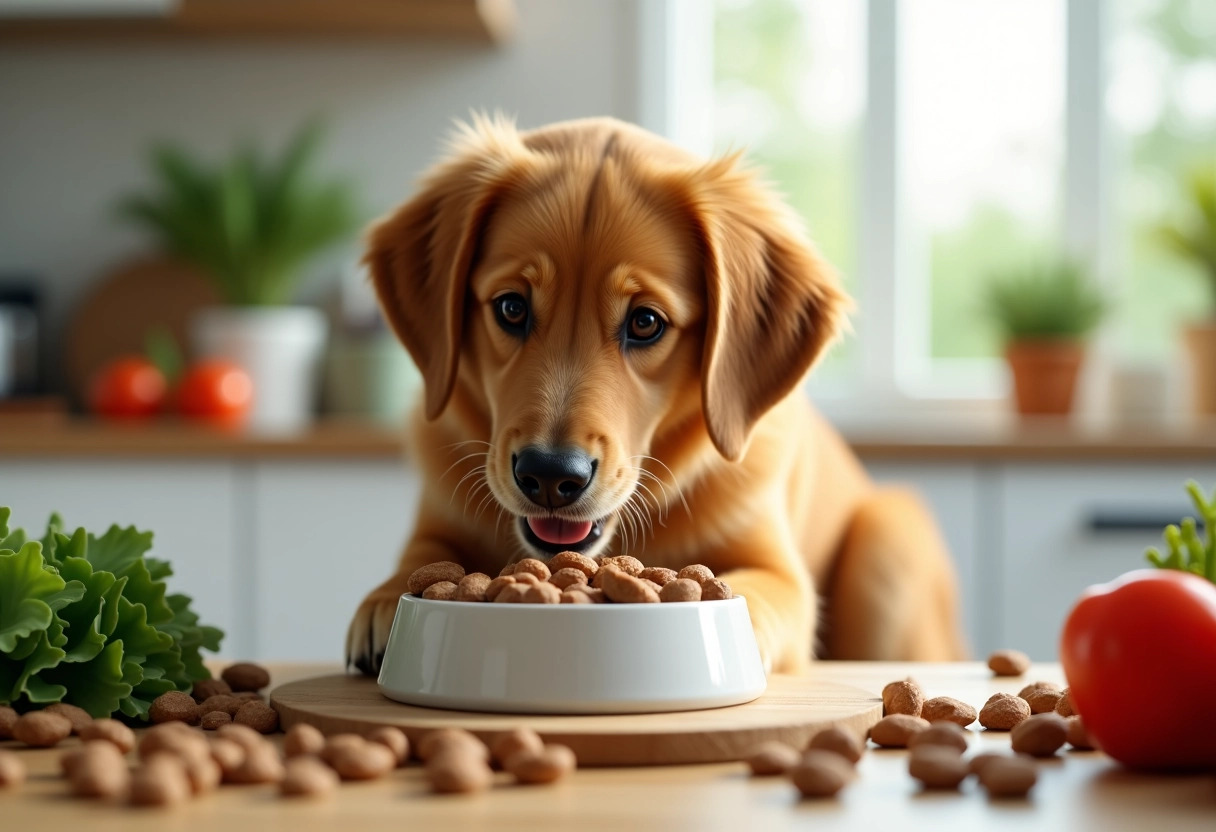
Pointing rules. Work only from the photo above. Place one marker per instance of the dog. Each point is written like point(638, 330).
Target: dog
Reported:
point(612, 335)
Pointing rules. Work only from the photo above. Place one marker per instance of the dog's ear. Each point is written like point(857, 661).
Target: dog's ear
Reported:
point(773, 304)
point(420, 257)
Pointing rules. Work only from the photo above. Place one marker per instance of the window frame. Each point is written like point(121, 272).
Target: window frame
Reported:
point(894, 369)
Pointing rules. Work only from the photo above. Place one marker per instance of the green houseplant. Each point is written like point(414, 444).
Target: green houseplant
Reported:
point(1045, 311)
point(1193, 238)
point(250, 224)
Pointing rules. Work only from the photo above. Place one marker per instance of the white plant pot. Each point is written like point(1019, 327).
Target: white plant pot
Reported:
point(281, 349)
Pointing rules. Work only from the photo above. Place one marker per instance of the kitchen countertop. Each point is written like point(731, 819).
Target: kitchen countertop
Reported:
point(1076, 790)
point(911, 440)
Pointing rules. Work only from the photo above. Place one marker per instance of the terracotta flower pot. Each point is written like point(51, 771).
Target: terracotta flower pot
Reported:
point(1045, 374)
point(1200, 342)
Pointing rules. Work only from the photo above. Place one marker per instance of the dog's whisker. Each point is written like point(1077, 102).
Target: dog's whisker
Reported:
point(674, 485)
point(472, 491)
point(462, 459)
point(466, 442)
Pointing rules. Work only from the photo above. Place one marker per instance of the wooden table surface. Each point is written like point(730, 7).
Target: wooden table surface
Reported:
point(1076, 791)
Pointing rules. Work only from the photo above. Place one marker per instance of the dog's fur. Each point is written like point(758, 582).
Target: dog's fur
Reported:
point(707, 449)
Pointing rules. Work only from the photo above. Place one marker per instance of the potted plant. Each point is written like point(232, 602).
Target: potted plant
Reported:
point(1045, 311)
point(1194, 238)
point(250, 225)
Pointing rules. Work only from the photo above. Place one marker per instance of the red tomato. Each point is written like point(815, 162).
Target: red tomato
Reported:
point(1140, 657)
point(216, 391)
point(127, 388)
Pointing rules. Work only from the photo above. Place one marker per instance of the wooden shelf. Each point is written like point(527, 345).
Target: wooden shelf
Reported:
point(60, 438)
point(489, 21)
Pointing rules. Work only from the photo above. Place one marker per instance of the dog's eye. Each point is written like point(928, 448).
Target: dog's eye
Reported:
point(512, 313)
point(645, 325)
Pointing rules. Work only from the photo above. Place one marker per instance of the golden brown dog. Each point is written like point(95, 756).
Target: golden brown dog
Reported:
point(612, 334)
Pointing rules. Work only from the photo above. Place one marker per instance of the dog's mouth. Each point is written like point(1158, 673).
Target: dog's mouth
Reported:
point(554, 534)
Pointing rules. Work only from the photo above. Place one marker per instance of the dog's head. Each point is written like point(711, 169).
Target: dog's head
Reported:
point(591, 291)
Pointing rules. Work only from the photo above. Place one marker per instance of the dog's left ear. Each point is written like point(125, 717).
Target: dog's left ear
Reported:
point(773, 303)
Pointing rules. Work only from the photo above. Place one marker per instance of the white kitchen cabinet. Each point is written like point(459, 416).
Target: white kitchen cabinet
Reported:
point(1060, 532)
point(324, 534)
point(191, 508)
point(955, 492)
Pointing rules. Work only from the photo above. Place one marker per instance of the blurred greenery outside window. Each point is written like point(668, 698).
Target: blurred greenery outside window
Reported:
point(981, 114)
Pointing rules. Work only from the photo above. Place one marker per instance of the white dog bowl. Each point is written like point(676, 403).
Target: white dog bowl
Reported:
point(572, 659)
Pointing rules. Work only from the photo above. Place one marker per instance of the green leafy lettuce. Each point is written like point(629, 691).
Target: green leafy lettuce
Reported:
point(88, 620)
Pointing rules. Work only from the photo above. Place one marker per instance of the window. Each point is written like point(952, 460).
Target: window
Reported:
point(1161, 104)
point(789, 87)
point(930, 143)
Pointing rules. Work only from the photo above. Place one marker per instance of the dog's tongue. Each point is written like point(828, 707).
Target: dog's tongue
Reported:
point(558, 531)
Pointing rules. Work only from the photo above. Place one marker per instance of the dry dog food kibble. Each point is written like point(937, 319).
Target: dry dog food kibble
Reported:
point(567, 577)
point(96, 769)
point(259, 716)
point(1040, 735)
point(944, 734)
point(573, 560)
point(442, 591)
point(261, 765)
point(543, 593)
point(228, 755)
point(661, 575)
point(1042, 700)
point(472, 587)
point(243, 735)
point(1003, 711)
point(1008, 663)
point(110, 730)
point(220, 702)
point(1033, 686)
point(160, 781)
point(698, 572)
point(433, 574)
point(845, 743)
point(821, 773)
point(773, 758)
point(204, 774)
point(946, 709)
point(902, 697)
point(574, 597)
point(454, 772)
point(307, 777)
point(512, 742)
point(204, 689)
point(1077, 736)
point(623, 588)
point(1007, 776)
point(174, 706)
point(533, 581)
point(41, 729)
point(1064, 706)
point(8, 718)
point(301, 739)
point(549, 764)
point(366, 761)
point(246, 677)
point(531, 566)
point(79, 717)
point(447, 739)
point(937, 767)
point(213, 720)
point(12, 770)
point(394, 739)
point(680, 590)
point(895, 730)
point(626, 563)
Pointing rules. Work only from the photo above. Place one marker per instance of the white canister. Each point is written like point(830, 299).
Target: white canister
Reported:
point(281, 349)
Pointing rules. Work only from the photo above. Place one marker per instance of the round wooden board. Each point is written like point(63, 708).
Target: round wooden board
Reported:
point(793, 709)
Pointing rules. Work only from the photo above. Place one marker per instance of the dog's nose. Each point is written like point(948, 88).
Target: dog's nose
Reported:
point(553, 478)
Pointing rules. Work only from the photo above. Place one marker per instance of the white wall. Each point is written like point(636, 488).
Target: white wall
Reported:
point(76, 118)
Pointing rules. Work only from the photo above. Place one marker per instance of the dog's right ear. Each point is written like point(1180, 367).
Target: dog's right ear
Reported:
point(420, 257)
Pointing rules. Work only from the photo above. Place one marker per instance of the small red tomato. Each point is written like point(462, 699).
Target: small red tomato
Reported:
point(216, 391)
point(130, 387)
point(1140, 657)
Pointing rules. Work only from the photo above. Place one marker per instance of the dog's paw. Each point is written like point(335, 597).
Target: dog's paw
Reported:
point(367, 635)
